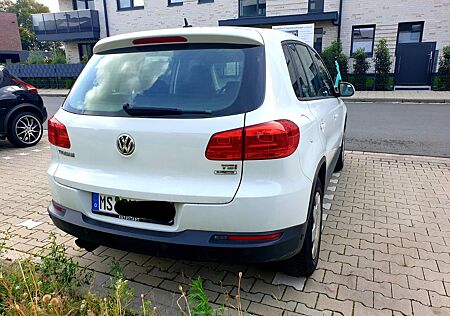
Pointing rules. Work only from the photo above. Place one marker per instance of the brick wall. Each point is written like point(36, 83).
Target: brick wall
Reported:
point(158, 15)
point(9, 35)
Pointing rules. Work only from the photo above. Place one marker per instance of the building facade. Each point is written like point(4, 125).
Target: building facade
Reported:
point(10, 44)
point(415, 30)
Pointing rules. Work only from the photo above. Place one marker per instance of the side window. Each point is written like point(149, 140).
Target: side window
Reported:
point(327, 86)
point(310, 71)
point(292, 72)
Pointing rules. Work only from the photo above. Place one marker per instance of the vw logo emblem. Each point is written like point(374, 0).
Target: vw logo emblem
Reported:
point(125, 144)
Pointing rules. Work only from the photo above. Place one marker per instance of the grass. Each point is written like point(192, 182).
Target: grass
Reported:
point(52, 285)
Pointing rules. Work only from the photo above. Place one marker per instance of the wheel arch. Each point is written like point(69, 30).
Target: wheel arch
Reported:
point(320, 174)
point(24, 107)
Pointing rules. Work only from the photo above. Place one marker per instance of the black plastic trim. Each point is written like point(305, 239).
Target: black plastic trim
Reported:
point(189, 244)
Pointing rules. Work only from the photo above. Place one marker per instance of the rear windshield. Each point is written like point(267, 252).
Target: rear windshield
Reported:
point(193, 79)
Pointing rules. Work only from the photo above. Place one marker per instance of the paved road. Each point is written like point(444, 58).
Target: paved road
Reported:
point(417, 129)
point(52, 104)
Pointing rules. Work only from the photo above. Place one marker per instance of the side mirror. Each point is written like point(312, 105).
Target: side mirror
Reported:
point(346, 89)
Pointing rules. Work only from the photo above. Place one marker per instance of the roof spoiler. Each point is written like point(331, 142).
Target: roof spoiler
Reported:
point(219, 35)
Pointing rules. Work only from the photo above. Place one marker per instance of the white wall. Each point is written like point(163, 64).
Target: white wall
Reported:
point(386, 14)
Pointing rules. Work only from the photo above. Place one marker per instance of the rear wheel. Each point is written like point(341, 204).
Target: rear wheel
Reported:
point(305, 262)
point(340, 162)
point(25, 130)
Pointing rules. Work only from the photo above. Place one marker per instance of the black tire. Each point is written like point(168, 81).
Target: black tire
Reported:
point(25, 130)
point(305, 262)
point(340, 162)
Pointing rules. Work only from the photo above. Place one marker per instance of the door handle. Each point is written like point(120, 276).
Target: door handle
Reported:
point(335, 116)
point(322, 126)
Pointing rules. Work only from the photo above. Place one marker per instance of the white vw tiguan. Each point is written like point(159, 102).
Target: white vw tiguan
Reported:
point(207, 143)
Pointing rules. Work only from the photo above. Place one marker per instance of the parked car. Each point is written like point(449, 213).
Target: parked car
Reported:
point(211, 143)
point(22, 111)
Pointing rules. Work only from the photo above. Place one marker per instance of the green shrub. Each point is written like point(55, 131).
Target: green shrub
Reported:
point(84, 59)
point(35, 58)
point(50, 83)
point(360, 68)
point(58, 57)
point(444, 70)
point(383, 65)
point(329, 55)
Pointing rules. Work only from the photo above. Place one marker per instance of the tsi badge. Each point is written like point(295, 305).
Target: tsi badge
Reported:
point(230, 169)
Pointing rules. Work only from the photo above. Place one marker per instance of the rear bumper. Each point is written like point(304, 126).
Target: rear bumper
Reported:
point(189, 244)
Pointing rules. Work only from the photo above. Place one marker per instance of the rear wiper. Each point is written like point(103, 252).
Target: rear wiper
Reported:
point(155, 111)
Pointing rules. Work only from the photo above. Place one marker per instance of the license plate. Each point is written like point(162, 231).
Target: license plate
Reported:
point(105, 205)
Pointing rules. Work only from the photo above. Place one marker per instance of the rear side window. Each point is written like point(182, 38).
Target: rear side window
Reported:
point(292, 72)
point(197, 79)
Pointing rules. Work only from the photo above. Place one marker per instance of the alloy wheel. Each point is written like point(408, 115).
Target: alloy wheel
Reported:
point(28, 129)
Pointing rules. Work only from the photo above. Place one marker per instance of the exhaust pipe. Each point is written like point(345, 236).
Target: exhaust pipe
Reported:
point(87, 245)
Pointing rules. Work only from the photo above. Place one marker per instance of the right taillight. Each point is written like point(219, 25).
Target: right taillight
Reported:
point(57, 133)
point(270, 140)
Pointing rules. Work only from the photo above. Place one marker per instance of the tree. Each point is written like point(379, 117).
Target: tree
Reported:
point(444, 70)
point(360, 68)
point(329, 56)
point(24, 9)
point(383, 65)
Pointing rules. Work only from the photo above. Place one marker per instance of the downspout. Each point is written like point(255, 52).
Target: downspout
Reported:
point(105, 10)
point(339, 21)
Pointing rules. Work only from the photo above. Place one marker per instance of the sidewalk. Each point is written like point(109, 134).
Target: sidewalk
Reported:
point(401, 96)
point(360, 96)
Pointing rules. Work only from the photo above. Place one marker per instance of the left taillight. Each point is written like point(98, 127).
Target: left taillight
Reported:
point(57, 133)
point(27, 86)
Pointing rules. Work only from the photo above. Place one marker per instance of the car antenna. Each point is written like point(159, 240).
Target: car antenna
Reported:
point(186, 23)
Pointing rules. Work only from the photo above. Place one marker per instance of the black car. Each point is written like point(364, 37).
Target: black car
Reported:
point(22, 111)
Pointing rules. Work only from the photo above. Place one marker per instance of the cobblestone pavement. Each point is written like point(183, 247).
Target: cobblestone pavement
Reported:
point(385, 248)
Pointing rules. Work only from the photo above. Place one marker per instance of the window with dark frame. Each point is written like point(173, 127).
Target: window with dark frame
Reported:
point(315, 6)
point(249, 8)
point(130, 4)
point(410, 32)
point(83, 4)
point(363, 37)
point(318, 38)
point(175, 2)
point(85, 50)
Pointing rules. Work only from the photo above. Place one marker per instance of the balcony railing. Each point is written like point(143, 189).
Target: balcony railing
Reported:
point(67, 26)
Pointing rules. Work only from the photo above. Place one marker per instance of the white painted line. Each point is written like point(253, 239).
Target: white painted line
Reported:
point(30, 224)
point(331, 189)
point(334, 181)
point(22, 154)
point(7, 158)
point(327, 206)
point(337, 174)
point(48, 147)
point(329, 197)
point(36, 150)
point(296, 282)
point(324, 217)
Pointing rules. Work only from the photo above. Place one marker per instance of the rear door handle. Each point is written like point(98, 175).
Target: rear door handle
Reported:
point(335, 116)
